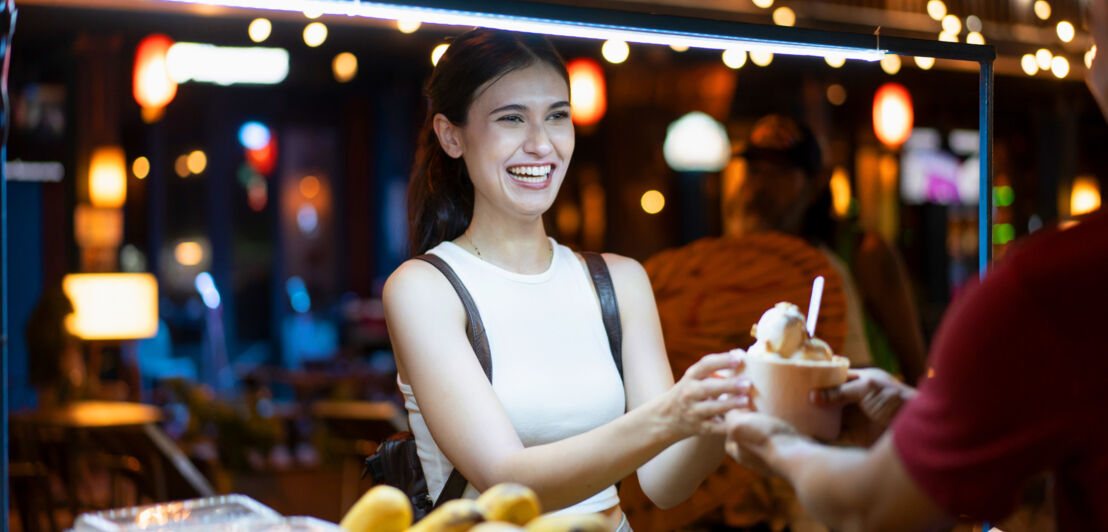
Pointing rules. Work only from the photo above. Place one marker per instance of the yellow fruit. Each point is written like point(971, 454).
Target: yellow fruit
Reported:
point(509, 502)
point(381, 509)
point(458, 515)
point(567, 523)
point(495, 526)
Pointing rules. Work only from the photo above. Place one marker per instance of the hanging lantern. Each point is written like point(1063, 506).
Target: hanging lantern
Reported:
point(107, 177)
point(586, 91)
point(263, 159)
point(153, 87)
point(892, 114)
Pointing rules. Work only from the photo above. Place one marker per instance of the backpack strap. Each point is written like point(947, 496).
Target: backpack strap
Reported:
point(475, 330)
point(609, 307)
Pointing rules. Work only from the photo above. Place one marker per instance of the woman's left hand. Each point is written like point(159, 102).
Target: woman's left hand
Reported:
point(697, 403)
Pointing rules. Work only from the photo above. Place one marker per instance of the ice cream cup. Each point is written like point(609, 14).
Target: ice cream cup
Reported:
point(780, 387)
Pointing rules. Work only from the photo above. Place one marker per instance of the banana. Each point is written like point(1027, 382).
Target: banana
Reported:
point(382, 509)
point(458, 515)
point(567, 523)
point(511, 503)
point(495, 526)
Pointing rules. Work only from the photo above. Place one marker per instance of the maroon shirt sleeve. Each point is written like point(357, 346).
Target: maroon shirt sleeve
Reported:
point(1007, 391)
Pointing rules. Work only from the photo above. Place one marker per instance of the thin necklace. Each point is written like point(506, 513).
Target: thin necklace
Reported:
point(478, 250)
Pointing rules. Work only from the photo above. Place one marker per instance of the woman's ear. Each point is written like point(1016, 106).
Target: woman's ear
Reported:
point(450, 135)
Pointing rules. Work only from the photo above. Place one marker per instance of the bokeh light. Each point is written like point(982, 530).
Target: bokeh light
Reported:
point(408, 25)
point(436, 54)
point(761, 58)
point(309, 186)
point(1029, 64)
point(1042, 9)
point(764, 4)
point(587, 91)
point(951, 24)
point(140, 167)
point(891, 64)
point(784, 16)
point(1085, 196)
point(344, 66)
point(314, 34)
point(615, 51)
point(835, 60)
point(975, 38)
point(836, 94)
point(259, 29)
point(734, 58)
point(1059, 66)
point(197, 161)
point(892, 114)
point(925, 63)
point(652, 202)
point(936, 9)
point(1043, 57)
point(1065, 31)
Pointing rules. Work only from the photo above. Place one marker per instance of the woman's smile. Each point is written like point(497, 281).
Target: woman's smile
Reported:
point(533, 176)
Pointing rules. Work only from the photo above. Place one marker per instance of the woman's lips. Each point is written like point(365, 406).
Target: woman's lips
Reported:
point(536, 176)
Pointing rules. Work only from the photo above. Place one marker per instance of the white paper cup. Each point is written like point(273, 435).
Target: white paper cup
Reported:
point(781, 387)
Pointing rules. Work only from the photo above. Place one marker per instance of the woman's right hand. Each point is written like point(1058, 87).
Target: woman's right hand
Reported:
point(697, 403)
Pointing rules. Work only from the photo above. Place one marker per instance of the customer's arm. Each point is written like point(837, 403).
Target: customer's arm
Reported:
point(844, 488)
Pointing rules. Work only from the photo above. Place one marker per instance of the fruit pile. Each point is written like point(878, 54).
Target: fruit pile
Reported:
point(502, 508)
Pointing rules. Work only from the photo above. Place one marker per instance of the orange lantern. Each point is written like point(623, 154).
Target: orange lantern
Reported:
point(107, 177)
point(892, 114)
point(153, 87)
point(586, 91)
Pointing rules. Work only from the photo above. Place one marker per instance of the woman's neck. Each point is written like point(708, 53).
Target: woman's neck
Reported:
point(521, 247)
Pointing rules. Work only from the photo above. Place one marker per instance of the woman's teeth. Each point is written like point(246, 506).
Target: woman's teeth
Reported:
point(530, 174)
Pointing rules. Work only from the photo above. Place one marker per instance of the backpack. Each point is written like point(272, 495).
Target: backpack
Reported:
point(396, 462)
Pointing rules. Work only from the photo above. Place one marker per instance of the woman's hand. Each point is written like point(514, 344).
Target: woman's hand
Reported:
point(877, 394)
point(697, 403)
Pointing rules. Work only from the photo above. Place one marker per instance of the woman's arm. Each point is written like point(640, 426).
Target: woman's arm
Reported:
point(673, 475)
point(426, 323)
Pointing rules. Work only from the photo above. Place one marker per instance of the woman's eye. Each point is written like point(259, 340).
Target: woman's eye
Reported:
point(511, 118)
point(559, 115)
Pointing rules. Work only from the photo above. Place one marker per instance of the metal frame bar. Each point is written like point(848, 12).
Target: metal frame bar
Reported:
point(645, 23)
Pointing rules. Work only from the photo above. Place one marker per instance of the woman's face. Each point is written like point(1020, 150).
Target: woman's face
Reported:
point(518, 140)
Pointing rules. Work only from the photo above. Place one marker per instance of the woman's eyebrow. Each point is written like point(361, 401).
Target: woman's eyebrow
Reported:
point(563, 103)
point(509, 107)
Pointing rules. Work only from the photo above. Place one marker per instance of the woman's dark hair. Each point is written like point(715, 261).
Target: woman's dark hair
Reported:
point(440, 194)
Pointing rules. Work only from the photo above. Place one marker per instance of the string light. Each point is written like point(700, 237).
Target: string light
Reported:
point(784, 16)
point(408, 25)
point(615, 51)
point(436, 54)
point(259, 29)
point(761, 58)
point(1065, 31)
point(764, 4)
point(891, 64)
point(734, 58)
point(925, 63)
point(1029, 64)
point(314, 34)
point(1044, 57)
point(936, 9)
point(975, 38)
point(1042, 9)
point(835, 61)
point(1060, 66)
point(951, 24)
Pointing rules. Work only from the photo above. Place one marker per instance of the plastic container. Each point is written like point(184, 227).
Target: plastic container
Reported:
point(220, 513)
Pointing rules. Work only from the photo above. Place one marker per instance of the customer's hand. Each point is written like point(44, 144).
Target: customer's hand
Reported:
point(876, 393)
point(697, 403)
point(750, 438)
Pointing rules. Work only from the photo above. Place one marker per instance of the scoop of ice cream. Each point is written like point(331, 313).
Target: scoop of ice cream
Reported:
point(782, 331)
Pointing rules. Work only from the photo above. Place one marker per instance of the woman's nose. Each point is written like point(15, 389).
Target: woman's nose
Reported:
point(538, 141)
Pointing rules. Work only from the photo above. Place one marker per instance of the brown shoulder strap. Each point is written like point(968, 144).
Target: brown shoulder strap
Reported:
point(609, 307)
point(475, 329)
point(456, 483)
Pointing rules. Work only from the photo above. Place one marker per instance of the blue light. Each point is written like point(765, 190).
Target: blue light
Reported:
point(307, 219)
point(298, 294)
point(254, 135)
point(205, 285)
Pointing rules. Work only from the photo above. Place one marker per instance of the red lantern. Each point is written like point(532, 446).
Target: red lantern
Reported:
point(263, 159)
point(892, 114)
point(586, 91)
point(152, 85)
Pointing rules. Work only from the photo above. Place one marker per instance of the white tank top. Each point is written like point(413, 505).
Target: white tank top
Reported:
point(551, 364)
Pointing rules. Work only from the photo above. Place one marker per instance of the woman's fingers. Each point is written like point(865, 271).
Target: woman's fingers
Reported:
point(708, 410)
point(709, 364)
point(710, 388)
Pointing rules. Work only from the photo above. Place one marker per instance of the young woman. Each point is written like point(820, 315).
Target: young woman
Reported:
point(493, 153)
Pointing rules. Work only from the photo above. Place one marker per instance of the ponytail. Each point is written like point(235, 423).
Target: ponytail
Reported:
point(440, 194)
